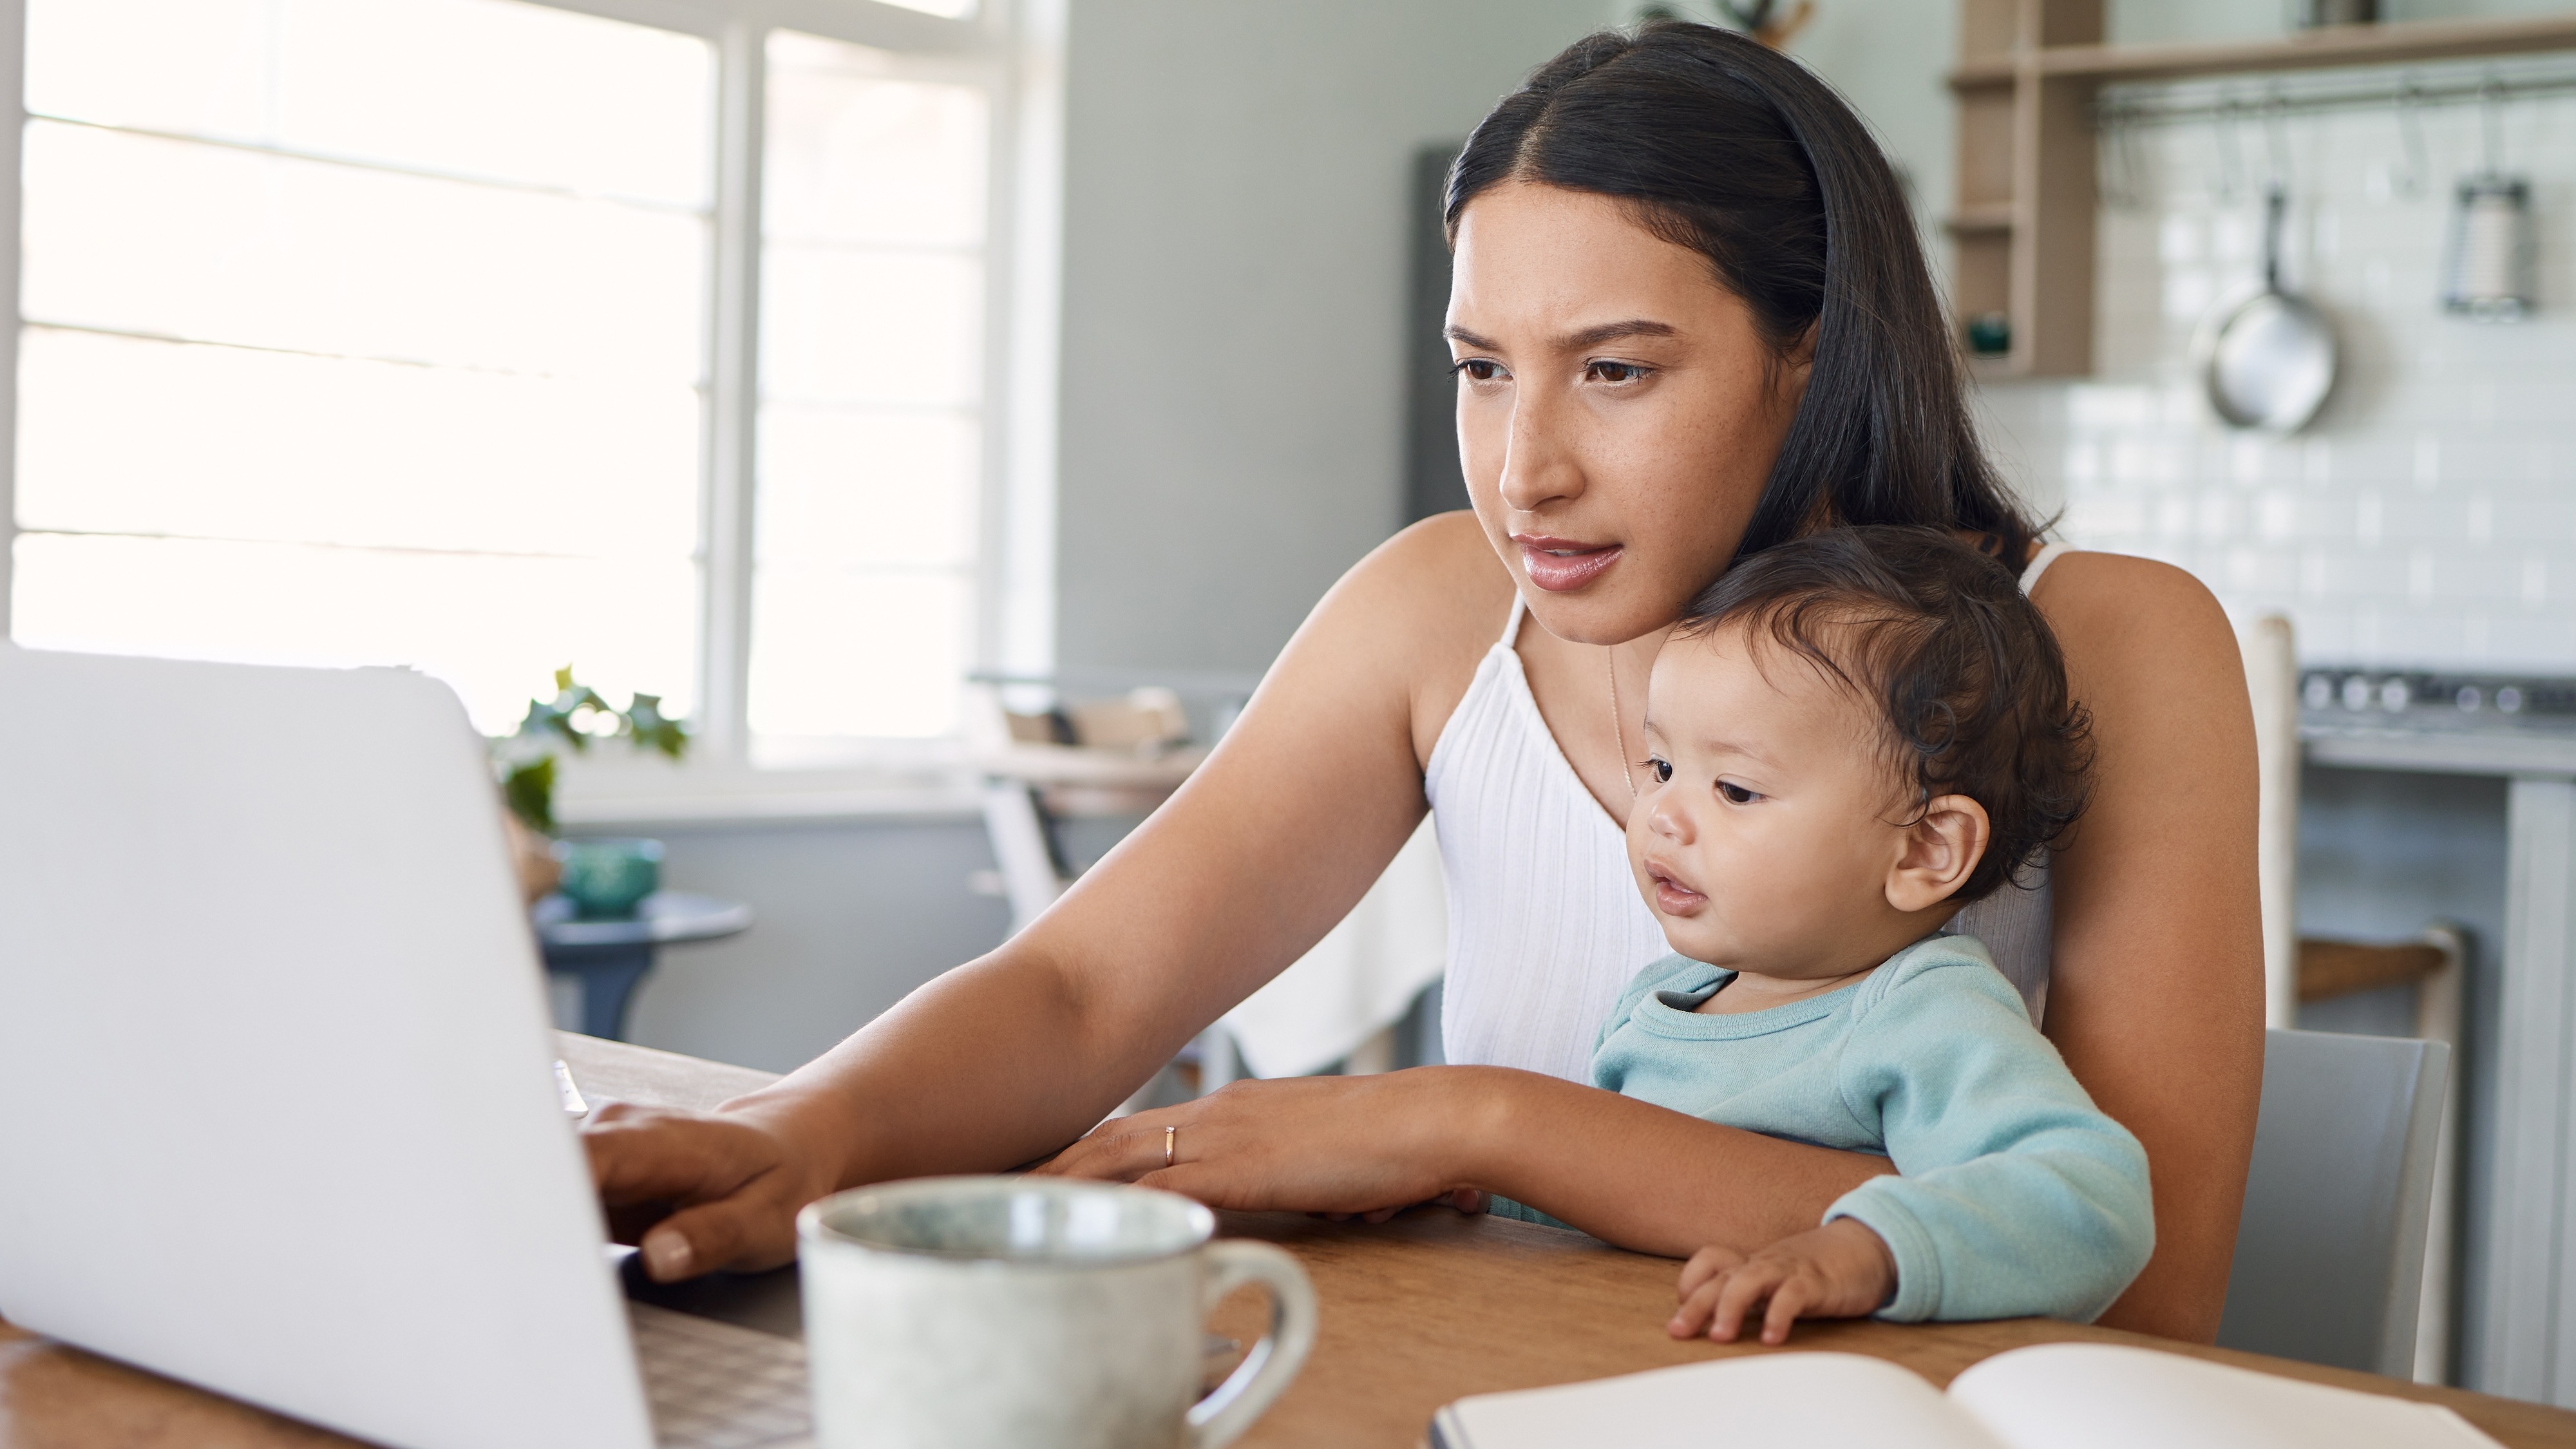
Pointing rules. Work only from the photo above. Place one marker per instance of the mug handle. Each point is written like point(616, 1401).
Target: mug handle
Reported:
point(1266, 1370)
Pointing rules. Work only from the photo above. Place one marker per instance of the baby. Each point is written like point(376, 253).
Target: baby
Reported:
point(1851, 737)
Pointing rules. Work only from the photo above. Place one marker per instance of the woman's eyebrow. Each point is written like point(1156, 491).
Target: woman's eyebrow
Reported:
point(1613, 331)
point(1592, 336)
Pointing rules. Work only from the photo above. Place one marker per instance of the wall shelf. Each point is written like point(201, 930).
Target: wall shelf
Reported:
point(2025, 84)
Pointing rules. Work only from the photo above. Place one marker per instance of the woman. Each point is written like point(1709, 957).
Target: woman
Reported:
point(1691, 319)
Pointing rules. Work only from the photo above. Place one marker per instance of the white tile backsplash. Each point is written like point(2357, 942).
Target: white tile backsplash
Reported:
point(2428, 517)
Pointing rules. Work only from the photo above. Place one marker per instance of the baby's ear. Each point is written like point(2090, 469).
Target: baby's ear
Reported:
point(1940, 851)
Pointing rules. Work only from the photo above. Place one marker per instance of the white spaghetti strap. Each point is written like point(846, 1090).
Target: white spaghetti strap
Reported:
point(2039, 565)
point(1512, 626)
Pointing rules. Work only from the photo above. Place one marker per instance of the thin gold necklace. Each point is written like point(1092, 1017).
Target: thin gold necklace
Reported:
point(1618, 729)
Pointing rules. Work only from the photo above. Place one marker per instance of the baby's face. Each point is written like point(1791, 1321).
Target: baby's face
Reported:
point(1762, 839)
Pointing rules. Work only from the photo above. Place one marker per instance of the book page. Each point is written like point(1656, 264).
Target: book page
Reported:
point(1814, 1400)
point(2104, 1396)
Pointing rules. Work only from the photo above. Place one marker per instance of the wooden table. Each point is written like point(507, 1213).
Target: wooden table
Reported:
point(1415, 1313)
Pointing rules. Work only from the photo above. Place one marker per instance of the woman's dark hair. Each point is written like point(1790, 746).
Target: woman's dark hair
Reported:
point(1964, 669)
point(1722, 145)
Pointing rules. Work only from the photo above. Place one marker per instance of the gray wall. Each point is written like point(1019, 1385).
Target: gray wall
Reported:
point(847, 917)
point(1235, 267)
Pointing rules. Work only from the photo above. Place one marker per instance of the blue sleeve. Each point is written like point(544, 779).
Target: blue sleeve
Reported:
point(2017, 1196)
point(1499, 1206)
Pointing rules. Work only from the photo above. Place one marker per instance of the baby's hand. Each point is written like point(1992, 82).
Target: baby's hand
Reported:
point(1840, 1270)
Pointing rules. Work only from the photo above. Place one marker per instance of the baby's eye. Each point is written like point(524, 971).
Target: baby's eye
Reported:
point(1736, 794)
point(1662, 770)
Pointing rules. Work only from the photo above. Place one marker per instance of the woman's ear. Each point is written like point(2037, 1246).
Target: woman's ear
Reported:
point(1941, 850)
point(1791, 367)
point(1802, 353)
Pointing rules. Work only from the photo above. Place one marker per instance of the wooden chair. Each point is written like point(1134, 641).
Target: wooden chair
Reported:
point(1103, 757)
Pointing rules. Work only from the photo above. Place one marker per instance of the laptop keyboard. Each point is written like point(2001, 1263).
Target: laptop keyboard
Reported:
point(717, 1385)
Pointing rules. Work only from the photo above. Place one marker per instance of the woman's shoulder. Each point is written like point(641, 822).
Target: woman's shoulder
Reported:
point(2088, 593)
point(1441, 570)
point(1437, 597)
point(2125, 620)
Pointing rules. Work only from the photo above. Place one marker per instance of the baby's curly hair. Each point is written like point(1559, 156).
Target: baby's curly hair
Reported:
point(1968, 677)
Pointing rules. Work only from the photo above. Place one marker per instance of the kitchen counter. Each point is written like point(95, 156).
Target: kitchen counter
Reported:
point(2529, 1310)
point(2491, 749)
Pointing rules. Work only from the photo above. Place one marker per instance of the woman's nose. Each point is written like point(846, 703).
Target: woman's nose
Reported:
point(1538, 468)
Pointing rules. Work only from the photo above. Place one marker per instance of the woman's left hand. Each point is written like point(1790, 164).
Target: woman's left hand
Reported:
point(1369, 1146)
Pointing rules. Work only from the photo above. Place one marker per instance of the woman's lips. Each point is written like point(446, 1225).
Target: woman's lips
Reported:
point(1561, 564)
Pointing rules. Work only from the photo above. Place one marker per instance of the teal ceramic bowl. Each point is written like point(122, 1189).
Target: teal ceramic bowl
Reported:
point(1990, 334)
point(607, 879)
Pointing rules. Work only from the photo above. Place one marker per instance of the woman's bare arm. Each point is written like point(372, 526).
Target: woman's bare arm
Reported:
point(1011, 1056)
point(2156, 990)
point(1627, 1172)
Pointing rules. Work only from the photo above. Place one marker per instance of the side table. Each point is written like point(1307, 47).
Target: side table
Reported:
point(610, 957)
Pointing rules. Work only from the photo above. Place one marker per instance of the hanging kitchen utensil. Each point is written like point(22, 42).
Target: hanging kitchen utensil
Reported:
point(2410, 130)
point(2269, 361)
point(2487, 274)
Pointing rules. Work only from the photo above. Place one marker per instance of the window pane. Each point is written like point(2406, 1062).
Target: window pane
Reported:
point(857, 654)
point(855, 488)
point(453, 420)
point(492, 627)
point(187, 240)
point(854, 156)
point(490, 88)
point(122, 436)
point(858, 326)
point(872, 359)
point(954, 9)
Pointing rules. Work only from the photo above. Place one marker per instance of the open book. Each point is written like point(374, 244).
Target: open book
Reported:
point(2053, 1396)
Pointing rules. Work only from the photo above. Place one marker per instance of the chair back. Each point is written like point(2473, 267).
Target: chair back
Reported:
point(2272, 685)
point(2329, 1262)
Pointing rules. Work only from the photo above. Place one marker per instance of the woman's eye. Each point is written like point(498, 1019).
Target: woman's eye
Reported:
point(1736, 794)
point(1662, 770)
point(1477, 369)
point(1615, 372)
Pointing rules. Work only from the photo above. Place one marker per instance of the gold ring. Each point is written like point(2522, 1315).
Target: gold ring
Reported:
point(1168, 1134)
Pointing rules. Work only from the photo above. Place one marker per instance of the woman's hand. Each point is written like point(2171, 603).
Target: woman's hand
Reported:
point(1369, 1146)
point(704, 1190)
point(1840, 1270)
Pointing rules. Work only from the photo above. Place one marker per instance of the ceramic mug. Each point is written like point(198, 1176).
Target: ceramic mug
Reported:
point(1004, 1312)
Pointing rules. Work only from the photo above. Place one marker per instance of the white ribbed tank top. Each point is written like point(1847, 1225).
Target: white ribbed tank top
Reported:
point(1545, 923)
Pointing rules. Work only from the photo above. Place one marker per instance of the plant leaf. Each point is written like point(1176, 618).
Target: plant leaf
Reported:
point(529, 791)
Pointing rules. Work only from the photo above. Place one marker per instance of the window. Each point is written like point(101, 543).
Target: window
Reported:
point(398, 331)
point(872, 368)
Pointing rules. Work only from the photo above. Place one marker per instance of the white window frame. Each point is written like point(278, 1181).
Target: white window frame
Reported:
point(1012, 49)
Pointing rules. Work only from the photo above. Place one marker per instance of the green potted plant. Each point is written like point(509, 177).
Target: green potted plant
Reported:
point(602, 877)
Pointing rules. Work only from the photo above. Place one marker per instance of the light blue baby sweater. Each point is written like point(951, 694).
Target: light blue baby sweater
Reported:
point(2016, 1195)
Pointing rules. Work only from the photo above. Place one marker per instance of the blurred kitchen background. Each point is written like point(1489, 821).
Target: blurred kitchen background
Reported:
point(896, 390)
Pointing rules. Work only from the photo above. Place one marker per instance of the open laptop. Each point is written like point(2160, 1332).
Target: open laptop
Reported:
point(280, 1111)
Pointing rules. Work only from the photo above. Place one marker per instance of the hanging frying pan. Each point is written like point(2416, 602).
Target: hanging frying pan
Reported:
point(2269, 361)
